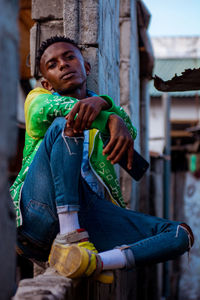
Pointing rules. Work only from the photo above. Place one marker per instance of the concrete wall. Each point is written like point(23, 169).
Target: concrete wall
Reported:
point(129, 85)
point(108, 75)
point(8, 102)
point(86, 22)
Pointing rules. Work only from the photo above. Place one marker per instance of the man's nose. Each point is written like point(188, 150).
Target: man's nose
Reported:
point(63, 64)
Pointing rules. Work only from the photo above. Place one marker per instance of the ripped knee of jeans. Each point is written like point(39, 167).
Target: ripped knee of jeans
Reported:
point(189, 232)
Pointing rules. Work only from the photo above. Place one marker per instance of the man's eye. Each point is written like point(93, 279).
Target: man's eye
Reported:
point(51, 66)
point(69, 57)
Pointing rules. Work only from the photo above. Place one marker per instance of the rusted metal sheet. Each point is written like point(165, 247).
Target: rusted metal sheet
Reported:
point(188, 81)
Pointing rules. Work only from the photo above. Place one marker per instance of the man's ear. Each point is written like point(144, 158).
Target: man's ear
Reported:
point(87, 67)
point(46, 84)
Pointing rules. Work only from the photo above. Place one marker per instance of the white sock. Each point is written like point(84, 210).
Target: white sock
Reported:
point(113, 259)
point(68, 222)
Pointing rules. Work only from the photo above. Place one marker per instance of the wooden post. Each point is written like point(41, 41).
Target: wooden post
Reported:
point(8, 101)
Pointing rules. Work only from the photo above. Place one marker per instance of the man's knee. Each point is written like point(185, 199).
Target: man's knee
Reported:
point(59, 122)
point(57, 129)
point(183, 238)
point(57, 126)
point(189, 233)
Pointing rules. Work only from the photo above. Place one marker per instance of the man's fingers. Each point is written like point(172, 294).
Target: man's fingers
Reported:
point(72, 114)
point(79, 121)
point(117, 152)
point(108, 148)
point(84, 118)
point(115, 149)
point(90, 118)
point(130, 154)
point(84, 113)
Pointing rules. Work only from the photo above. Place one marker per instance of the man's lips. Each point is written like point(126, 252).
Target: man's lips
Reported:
point(67, 75)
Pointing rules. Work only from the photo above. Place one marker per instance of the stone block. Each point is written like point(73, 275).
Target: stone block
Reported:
point(125, 37)
point(90, 54)
point(125, 8)
point(43, 10)
point(40, 32)
point(81, 21)
point(124, 83)
point(71, 19)
point(89, 16)
point(49, 29)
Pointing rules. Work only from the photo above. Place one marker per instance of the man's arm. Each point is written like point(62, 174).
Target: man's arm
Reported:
point(87, 111)
point(119, 111)
point(120, 141)
point(41, 108)
point(122, 132)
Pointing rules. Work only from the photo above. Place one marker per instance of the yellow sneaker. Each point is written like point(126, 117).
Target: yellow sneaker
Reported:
point(78, 258)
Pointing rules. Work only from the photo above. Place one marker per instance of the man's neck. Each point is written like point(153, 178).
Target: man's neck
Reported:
point(78, 93)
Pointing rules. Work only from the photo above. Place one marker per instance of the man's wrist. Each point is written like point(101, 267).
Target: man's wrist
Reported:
point(112, 117)
point(105, 105)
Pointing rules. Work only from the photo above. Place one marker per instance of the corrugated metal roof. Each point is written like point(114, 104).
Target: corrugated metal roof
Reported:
point(167, 68)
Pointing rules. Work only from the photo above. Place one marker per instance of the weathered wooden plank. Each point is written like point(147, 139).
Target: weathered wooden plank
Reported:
point(51, 286)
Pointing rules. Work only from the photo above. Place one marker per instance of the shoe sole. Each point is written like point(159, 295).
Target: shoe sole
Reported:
point(73, 261)
point(70, 261)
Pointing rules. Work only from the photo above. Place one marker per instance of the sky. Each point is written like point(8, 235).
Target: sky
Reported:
point(174, 17)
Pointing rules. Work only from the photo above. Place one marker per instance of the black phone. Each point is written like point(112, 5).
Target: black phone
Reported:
point(139, 165)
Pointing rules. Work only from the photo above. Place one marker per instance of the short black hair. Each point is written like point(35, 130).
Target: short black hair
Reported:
point(52, 40)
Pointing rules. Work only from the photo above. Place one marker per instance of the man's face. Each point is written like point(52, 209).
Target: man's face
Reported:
point(63, 68)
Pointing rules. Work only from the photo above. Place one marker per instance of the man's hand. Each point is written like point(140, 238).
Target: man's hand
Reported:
point(120, 141)
point(86, 110)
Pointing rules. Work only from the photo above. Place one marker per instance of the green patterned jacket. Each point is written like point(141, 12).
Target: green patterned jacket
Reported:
point(41, 108)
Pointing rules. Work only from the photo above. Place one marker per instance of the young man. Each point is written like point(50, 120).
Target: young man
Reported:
point(67, 195)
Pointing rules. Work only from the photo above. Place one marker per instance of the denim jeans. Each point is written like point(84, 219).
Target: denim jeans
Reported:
point(54, 184)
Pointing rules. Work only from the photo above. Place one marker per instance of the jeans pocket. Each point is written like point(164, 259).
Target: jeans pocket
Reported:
point(39, 222)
